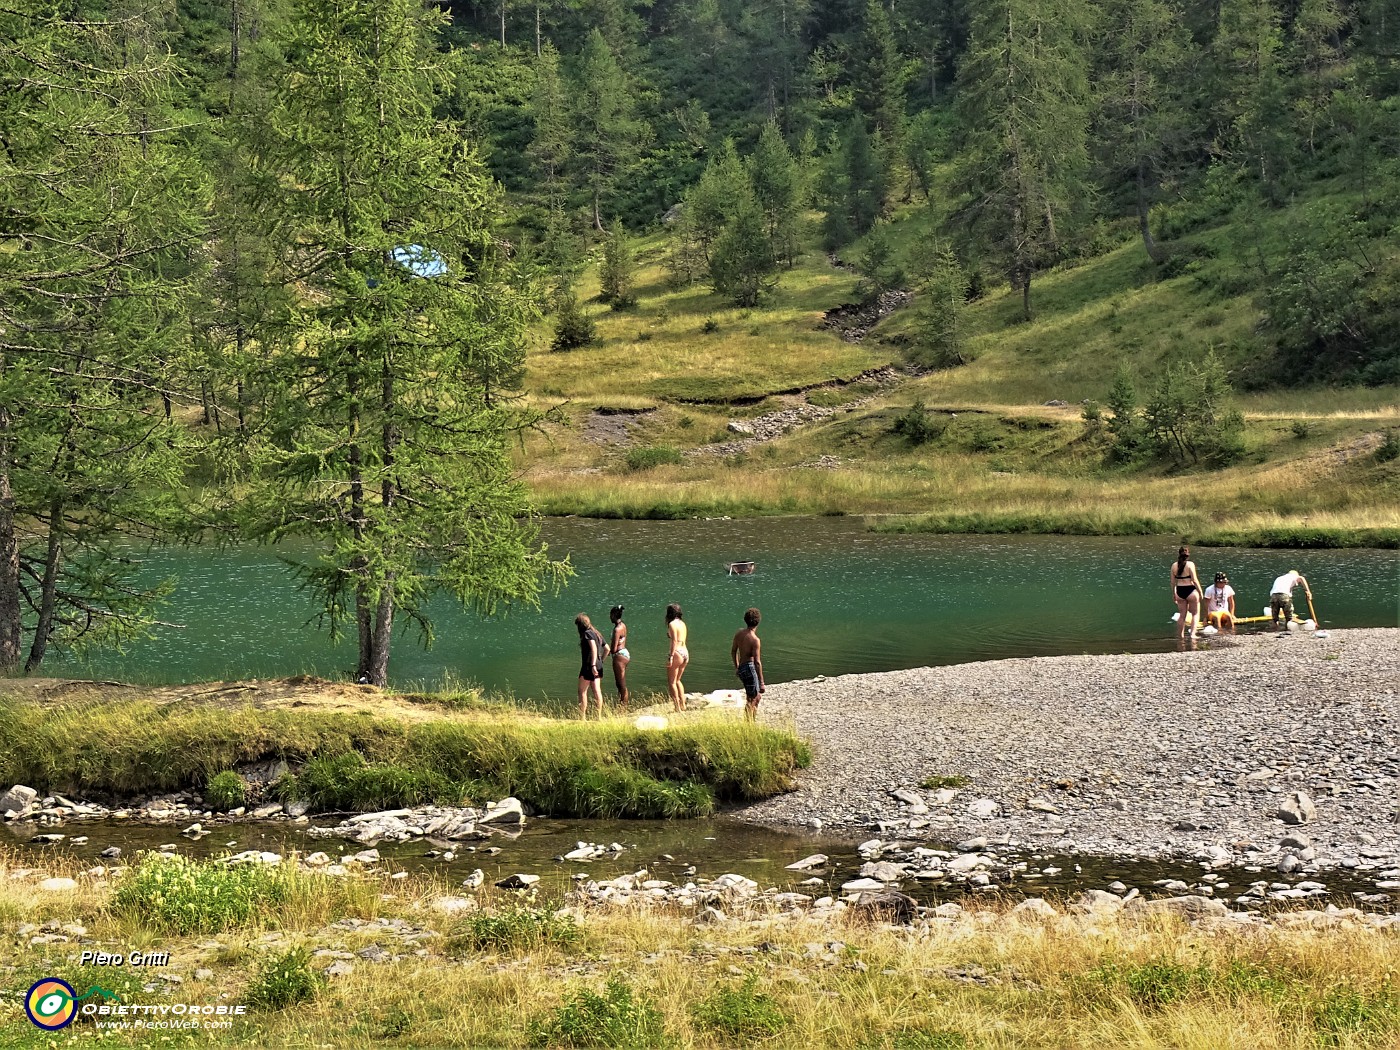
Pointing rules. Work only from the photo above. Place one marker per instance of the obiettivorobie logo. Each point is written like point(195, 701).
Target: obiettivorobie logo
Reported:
point(53, 1004)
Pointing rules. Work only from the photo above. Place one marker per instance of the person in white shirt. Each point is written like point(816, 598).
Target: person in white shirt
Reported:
point(1220, 603)
point(1281, 597)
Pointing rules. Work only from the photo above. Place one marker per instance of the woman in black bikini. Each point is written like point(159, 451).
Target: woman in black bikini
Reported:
point(1186, 590)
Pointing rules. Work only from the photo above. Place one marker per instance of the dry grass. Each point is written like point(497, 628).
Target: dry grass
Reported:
point(982, 980)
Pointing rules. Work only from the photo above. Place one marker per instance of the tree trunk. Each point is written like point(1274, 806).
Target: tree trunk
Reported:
point(358, 566)
point(382, 633)
point(537, 30)
point(1026, 292)
point(597, 213)
point(503, 23)
point(1154, 252)
point(10, 619)
point(48, 594)
point(378, 670)
point(234, 33)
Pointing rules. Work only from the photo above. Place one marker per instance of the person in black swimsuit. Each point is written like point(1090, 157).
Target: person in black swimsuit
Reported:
point(1186, 591)
point(590, 675)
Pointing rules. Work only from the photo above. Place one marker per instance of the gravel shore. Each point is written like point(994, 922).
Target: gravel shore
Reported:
point(1187, 754)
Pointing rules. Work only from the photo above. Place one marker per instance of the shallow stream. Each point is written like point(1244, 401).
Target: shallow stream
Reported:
point(667, 849)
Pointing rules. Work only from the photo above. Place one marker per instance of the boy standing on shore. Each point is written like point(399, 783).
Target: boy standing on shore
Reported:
point(747, 663)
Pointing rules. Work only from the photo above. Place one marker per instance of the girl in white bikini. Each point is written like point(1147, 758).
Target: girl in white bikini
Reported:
point(677, 657)
point(620, 656)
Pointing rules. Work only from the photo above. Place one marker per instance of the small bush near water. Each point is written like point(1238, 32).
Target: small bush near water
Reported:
point(741, 1014)
point(286, 980)
point(225, 791)
point(919, 425)
point(174, 895)
point(617, 1018)
point(647, 456)
point(515, 929)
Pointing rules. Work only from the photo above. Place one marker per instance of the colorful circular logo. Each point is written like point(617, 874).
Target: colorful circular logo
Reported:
point(51, 1004)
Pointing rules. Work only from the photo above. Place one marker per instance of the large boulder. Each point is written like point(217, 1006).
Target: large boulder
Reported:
point(885, 905)
point(17, 799)
point(506, 811)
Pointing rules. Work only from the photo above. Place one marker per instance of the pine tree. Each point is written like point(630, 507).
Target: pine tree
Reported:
point(707, 208)
point(550, 148)
point(384, 439)
point(1023, 100)
point(573, 327)
point(1247, 83)
point(877, 77)
point(1146, 54)
point(617, 274)
point(607, 135)
point(938, 314)
point(742, 263)
point(101, 206)
point(865, 185)
point(776, 187)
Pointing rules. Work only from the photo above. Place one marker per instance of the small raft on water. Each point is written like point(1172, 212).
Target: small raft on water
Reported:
point(741, 568)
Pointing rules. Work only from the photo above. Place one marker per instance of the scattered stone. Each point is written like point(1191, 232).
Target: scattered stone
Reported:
point(506, 811)
point(984, 808)
point(339, 968)
point(885, 905)
point(58, 885)
point(111, 852)
point(475, 879)
point(862, 885)
point(816, 860)
point(1034, 907)
point(1297, 808)
point(518, 881)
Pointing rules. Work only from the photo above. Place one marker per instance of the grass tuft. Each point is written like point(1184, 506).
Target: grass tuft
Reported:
point(285, 980)
point(515, 930)
point(172, 894)
point(740, 1014)
point(616, 1019)
point(225, 791)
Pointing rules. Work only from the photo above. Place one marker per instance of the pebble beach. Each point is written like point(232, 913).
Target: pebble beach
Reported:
point(1256, 749)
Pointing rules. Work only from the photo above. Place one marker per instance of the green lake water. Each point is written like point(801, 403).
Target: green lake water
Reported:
point(835, 598)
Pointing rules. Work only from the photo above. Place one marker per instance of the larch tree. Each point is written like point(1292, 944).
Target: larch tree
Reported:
point(391, 380)
point(617, 276)
point(877, 77)
point(100, 206)
point(1023, 97)
point(607, 134)
point(777, 188)
point(1143, 123)
point(550, 148)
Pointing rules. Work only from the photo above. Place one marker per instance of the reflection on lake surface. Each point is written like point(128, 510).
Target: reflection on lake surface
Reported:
point(835, 598)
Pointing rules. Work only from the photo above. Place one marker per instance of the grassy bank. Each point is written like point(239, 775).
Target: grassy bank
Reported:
point(504, 974)
point(1010, 451)
point(362, 761)
point(1049, 524)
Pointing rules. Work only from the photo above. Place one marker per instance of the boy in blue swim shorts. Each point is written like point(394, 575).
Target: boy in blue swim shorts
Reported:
point(748, 664)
